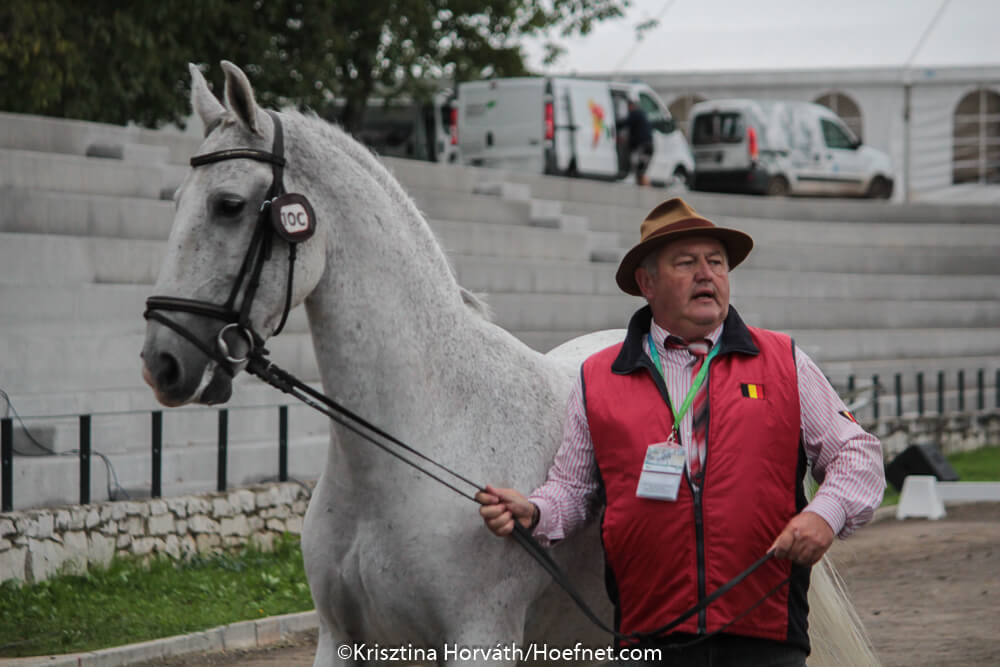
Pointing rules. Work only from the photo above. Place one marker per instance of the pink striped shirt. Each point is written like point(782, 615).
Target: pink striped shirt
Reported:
point(844, 459)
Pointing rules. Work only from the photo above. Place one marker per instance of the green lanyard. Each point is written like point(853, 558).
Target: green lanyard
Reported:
point(699, 379)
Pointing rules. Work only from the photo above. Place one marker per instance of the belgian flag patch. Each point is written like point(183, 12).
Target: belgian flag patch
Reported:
point(848, 416)
point(752, 390)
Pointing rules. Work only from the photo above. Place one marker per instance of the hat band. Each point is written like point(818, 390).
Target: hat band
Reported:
point(684, 225)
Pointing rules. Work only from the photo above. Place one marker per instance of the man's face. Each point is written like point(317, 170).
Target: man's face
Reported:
point(689, 291)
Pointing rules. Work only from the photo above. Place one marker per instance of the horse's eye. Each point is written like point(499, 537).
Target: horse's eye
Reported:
point(229, 207)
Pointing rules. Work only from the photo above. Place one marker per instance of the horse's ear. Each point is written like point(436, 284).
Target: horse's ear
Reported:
point(203, 101)
point(239, 96)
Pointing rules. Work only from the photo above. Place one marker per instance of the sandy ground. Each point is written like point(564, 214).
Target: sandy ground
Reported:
point(928, 592)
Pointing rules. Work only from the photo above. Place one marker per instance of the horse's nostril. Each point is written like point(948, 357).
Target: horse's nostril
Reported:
point(169, 372)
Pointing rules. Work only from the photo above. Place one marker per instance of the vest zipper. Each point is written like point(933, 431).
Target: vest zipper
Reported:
point(699, 524)
point(699, 530)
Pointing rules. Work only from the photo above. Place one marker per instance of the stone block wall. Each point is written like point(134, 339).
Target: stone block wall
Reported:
point(37, 544)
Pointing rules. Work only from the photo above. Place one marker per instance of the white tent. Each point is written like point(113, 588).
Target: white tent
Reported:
point(919, 79)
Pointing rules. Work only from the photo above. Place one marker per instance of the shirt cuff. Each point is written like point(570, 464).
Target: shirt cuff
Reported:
point(545, 527)
point(831, 511)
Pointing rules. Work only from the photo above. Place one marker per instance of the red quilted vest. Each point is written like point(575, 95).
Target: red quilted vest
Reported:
point(664, 556)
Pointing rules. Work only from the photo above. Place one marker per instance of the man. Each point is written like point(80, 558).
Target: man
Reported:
point(694, 434)
point(640, 141)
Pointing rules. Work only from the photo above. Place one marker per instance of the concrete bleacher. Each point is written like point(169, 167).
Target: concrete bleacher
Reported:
point(863, 287)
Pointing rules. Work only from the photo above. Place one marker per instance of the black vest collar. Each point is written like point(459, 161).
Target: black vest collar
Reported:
point(735, 338)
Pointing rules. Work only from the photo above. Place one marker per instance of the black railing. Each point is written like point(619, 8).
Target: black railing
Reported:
point(85, 453)
point(876, 391)
point(156, 438)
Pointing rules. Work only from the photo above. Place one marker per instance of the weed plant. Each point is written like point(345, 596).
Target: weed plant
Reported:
point(134, 600)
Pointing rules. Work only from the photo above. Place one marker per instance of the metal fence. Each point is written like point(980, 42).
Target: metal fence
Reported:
point(84, 453)
point(868, 397)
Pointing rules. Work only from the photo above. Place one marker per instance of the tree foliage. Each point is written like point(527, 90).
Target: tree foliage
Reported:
point(126, 61)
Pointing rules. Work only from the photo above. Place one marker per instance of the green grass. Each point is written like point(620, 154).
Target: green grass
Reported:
point(980, 465)
point(131, 601)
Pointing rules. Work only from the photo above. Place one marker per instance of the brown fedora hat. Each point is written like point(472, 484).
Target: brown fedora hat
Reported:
point(670, 221)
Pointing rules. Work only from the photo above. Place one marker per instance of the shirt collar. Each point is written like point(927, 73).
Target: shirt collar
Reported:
point(659, 335)
point(732, 336)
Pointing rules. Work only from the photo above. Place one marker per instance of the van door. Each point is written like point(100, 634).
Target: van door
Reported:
point(671, 153)
point(620, 100)
point(590, 108)
point(846, 167)
point(500, 123)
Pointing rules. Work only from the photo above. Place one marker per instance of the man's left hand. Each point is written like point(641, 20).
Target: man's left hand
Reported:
point(804, 540)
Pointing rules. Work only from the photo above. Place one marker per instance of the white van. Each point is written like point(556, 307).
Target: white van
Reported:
point(565, 126)
point(781, 148)
point(402, 127)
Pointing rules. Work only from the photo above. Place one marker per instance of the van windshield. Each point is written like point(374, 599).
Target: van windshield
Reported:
point(715, 127)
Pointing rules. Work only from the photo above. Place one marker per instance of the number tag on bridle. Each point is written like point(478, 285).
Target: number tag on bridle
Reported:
point(293, 218)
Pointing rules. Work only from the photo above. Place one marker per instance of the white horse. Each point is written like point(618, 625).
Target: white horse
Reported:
point(393, 558)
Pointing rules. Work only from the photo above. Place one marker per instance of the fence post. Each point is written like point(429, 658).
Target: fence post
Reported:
point(7, 461)
point(996, 388)
point(157, 488)
point(920, 394)
point(899, 394)
point(283, 443)
point(223, 444)
point(875, 396)
point(84, 459)
point(981, 389)
point(961, 391)
point(940, 392)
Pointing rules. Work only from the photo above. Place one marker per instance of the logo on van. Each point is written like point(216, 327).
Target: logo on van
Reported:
point(597, 119)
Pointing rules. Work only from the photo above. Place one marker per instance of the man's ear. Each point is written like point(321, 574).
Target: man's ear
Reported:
point(645, 282)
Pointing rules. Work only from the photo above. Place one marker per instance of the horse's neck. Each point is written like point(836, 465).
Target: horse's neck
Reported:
point(388, 320)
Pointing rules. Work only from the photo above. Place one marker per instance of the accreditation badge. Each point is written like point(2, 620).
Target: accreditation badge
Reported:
point(662, 471)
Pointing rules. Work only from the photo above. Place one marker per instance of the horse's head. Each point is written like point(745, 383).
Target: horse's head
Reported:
point(224, 285)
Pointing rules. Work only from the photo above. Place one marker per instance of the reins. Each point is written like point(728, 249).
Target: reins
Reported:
point(291, 217)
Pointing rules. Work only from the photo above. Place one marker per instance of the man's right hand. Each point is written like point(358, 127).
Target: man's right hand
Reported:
point(500, 507)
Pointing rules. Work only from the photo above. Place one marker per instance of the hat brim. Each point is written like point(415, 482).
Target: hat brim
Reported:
point(738, 246)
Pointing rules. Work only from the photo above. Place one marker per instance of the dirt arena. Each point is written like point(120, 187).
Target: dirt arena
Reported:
point(928, 592)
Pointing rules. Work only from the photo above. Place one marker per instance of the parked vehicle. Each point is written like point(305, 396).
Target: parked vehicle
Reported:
point(565, 126)
point(403, 128)
point(781, 148)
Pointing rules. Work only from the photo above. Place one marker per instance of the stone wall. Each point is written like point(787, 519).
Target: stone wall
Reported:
point(37, 544)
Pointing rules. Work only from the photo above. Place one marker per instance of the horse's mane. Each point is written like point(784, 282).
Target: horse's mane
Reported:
point(367, 160)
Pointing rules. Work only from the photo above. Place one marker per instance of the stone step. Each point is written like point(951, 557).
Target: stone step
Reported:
point(573, 312)
point(86, 214)
point(46, 481)
point(39, 359)
point(73, 173)
point(82, 214)
point(502, 275)
point(844, 345)
point(56, 259)
point(75, 137)
point(113, 307)
point(917, 260)
point(876, 231)
point(114, 432)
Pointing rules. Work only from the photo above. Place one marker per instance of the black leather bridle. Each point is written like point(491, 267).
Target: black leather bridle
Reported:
point(289, 216)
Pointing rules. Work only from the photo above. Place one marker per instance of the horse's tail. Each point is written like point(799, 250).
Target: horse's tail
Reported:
point(837, 634)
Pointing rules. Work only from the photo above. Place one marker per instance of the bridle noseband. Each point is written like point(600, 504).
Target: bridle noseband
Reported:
point(289, 216)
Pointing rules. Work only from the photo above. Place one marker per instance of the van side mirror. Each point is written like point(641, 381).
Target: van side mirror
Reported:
point(664, 125)
point(856, 144)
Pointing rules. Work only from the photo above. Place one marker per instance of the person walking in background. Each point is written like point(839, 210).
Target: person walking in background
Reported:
point(640, 141)
point(695, 434)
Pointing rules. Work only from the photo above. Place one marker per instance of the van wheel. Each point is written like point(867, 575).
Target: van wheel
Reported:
point(879, 189)
point(777, 186)
point(681, 180)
